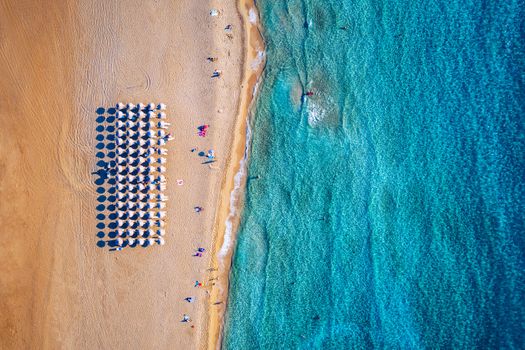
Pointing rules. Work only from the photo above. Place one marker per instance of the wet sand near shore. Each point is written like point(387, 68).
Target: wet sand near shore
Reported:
point(59, 63)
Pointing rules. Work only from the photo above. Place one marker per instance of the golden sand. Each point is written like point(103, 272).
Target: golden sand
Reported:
point(252, 69)
point(59, 62)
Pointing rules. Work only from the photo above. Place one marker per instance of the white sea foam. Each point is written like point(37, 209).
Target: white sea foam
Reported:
point(315, 114)
point(258, 60)
point(234, 197)
point(252, 15)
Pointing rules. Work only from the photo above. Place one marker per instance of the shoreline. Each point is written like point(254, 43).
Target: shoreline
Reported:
point(227, 215)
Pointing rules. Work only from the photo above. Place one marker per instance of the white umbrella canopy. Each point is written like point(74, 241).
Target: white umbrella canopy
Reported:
point(162, 160)
point(119, 241)
point(140, 106)
point(161, 232)
point(120, 106)
point(161, 133)
point(130, 106)
point(161, 115)
point(161, 169)
point(161, 197)
point(161, 223)
point(121, 232)
point(140, 241)
point(150, 106)
point(121, 223)
point(160, 214)
point(140, 115)
point(161, 142)
point(130, 241)
point(130, 124)
point(119, 115)
point(132, 206)
point(163, 125)
point(121, 214)
point(160, 205)
point(160, 178)
point(120, 124)
point(121, 205)
point(151, 114)
point(149, 241)
point(130, 178)
point(121, 133)
point(161, 106)
point(120, 151)
point(148, 233)
point(160, 241)
point(122, 196)
point(162, 151)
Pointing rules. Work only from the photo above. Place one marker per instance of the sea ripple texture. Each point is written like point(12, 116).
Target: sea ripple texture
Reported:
point(387, 209)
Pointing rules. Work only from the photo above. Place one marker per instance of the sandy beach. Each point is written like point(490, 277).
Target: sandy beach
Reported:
point(59, 63)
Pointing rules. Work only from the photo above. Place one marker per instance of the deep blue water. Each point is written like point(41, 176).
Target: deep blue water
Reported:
point(389, 207)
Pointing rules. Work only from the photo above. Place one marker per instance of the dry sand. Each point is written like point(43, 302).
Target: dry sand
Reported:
point(59, 61)
point(254, 60)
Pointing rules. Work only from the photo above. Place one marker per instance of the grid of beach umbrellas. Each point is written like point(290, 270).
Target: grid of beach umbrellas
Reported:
point(131, 163)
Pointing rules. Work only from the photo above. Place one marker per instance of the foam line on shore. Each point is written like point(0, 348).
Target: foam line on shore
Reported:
point(230, 203)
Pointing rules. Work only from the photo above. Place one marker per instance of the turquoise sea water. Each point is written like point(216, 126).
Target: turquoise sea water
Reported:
point(389, 207)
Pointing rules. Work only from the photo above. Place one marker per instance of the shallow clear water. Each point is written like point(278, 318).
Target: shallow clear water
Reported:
point(389, 206)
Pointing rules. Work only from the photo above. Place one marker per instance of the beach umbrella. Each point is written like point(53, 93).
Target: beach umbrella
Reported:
point(163, 125)
point(121, 232)
point(159, 205)
point(130, 124)
point(161, 160)
point(146, 134)
point(150, 106)
point(161, 142)
point(161, 223)
point(132, 215)
point(140, 115)
point(144, 206)
point(120, 106)
point(149, 241)
point(160, 178)
point(121, 151)
point(161, 115)
point(130, 115)
point(140, 241)
point(160, 241)
point(160, 214)
point(130, 241)
point(121, 223)
point(132, 196)
point(140, 106)
point(161, 133)
point(142, 125)
point(161, 197)
point(142, 187)
point(122, 188)
point(121, 133)
point(161, 106)
point(119, 115)
point(131, 178)
point(161, 232)
point(120, 124)
point(121, 160)
point(151, 115)
point(143, 196)
point(161, 169)
point(119, 241)
point(132, 206)
point(162, 151)
point(120, 169)
point(130, 105)
point(121, 214)
point(121, 205)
